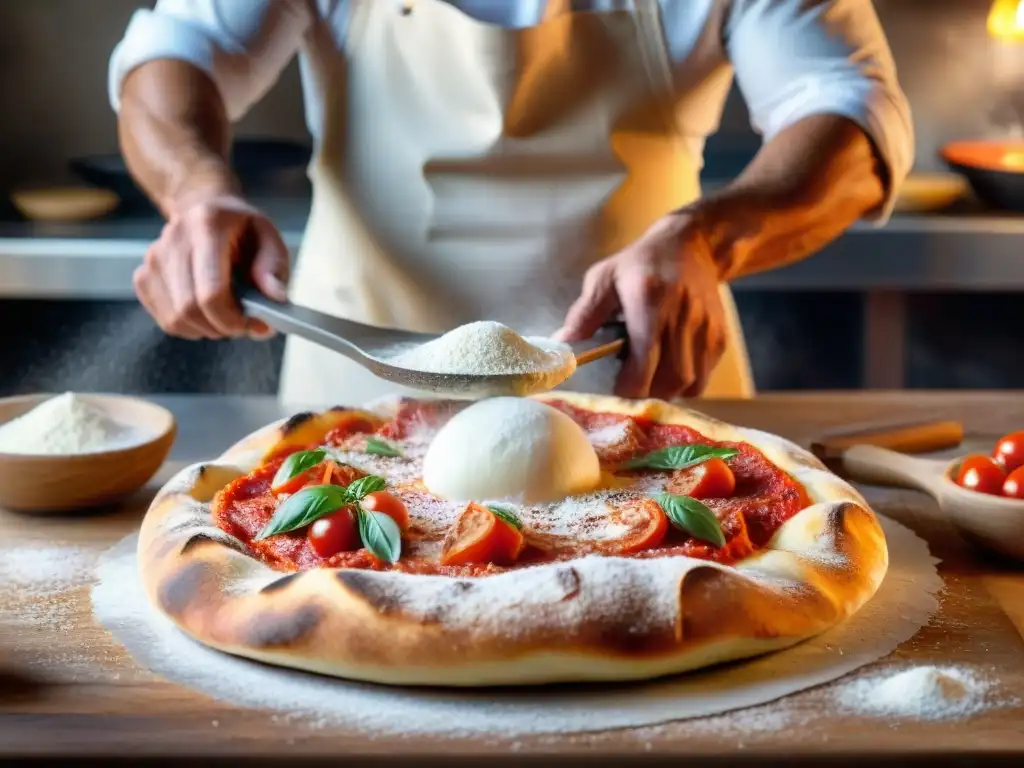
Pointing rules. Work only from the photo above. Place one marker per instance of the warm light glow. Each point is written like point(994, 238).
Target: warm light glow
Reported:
point(1006, 20)
point(1013, 160)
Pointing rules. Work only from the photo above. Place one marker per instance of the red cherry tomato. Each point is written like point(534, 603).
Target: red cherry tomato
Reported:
point(982, 474)
point(1009, 451)
point(337, 532)
point(388, 504)
point(711, 479)
point(1013, 486)
point(480, 536)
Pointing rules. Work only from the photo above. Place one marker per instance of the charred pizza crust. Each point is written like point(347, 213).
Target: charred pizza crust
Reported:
point(591, 619)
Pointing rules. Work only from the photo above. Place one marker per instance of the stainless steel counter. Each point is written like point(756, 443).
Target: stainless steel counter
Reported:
point(95, 260)
point(959, 252)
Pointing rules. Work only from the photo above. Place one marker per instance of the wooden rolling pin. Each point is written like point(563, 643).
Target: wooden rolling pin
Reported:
point(912, 437)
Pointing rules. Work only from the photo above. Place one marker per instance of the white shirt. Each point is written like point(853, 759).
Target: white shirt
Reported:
point(791, 58)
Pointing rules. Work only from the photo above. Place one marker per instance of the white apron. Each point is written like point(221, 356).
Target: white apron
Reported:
point(469, 171)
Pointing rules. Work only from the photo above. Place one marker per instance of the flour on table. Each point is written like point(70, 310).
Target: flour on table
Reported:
point(65, 424)
point(486, 348)
point(904, 603)
point(925, 692)
point(35, 580)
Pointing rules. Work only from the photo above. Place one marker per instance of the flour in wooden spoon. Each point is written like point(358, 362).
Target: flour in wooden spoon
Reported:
point(67, 424)
point(488, 348)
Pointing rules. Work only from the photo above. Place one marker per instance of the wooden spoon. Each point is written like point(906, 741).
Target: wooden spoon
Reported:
point(993, 521)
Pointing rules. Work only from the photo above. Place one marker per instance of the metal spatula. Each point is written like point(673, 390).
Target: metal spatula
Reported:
point(371, 346)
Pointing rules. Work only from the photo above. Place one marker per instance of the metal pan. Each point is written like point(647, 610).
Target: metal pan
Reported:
point(265, 167)
point(994, 169)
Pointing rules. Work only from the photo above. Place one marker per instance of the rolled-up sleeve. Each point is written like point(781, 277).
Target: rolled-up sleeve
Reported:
point(796, 58)
point(242, 44)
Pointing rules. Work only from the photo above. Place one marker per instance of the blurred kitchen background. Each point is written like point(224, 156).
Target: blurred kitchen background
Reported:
point(932, 300)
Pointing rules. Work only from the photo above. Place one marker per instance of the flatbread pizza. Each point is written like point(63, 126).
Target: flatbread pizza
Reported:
point(560, 538)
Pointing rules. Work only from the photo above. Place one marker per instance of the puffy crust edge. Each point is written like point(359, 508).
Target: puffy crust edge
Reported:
point(592, 619)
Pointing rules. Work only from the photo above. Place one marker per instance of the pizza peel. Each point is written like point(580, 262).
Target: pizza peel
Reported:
point(370, 346)
point(875, 456)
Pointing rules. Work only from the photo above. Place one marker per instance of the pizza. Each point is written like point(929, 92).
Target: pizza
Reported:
point(558, 538)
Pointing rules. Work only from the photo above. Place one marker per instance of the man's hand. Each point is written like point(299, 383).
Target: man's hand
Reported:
point(185, 279)
point(666, 286)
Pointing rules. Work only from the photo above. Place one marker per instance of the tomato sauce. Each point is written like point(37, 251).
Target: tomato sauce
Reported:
point(765, 497)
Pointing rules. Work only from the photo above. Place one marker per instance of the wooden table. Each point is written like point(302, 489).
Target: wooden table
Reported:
point(49, 709)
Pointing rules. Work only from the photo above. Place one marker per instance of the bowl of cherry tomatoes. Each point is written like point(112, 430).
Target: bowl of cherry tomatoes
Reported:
point(981, 494)
point(1001, 474)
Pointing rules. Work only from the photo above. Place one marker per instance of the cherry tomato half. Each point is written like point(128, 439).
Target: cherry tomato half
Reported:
point(388, 504)
point(711, 479)
point(982, 474)
point(646, 525)
point(1013, 486)
point(337, 532)
point(1009, 451)
point(480, 536)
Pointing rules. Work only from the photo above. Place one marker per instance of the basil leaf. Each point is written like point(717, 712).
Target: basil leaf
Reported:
point(296, 464)
point(379, 447)
point(692, 517)
point(679, 457)
point(361, 488)
point(305, 507)
point(380, 535)
point(506, 514)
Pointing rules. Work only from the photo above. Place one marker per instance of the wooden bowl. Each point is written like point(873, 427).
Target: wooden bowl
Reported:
point(65, 203)
point(59, 483)
point(923, 192)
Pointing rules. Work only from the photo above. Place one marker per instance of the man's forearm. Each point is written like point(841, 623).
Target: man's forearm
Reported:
point(802, 190)
point(175, 133)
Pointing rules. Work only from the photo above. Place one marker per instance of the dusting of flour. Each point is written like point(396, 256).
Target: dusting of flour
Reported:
point(925, 692)
point(903, 604)
point(35, 580)
point(65, 424)
point(485, 348)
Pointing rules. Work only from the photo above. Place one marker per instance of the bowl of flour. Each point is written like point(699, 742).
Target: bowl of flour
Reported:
point(74, 451)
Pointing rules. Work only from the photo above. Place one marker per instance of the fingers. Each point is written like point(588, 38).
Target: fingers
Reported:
point(270, 264)
point(695, 351)
point(708, 351)
point(156, 299)
point(212, 294)
point(257, 329)
point(176, 271)
point(642, 296)
point(185, 281)
point(594, 307)
point(668, 383)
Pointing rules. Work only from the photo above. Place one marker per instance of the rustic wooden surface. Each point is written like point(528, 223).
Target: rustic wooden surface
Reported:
point(78, 692)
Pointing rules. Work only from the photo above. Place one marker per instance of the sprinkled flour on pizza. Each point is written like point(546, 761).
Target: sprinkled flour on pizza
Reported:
point(301, 701)
point(486, 348)
point(584, 517)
